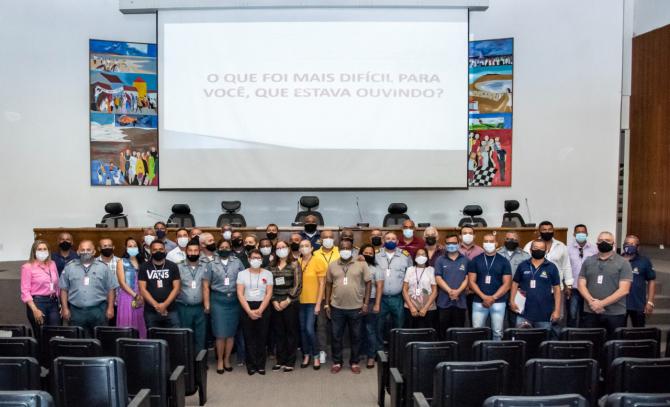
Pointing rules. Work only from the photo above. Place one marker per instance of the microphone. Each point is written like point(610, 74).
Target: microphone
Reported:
point(530, 219)
point(157, 215)
point(360, 224)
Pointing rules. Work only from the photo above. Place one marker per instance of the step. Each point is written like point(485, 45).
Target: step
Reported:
point(659, 317)
point(662, 302)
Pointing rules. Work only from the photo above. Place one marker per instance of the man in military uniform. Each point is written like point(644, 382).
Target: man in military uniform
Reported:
point(189, 301)
point(393, 261)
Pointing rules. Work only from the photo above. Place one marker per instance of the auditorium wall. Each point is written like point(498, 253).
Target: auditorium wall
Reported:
point(567, 83)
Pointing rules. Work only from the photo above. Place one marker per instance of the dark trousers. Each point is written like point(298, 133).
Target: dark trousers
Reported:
point(575, 309)
point(637, 318)
point(49, 307)
point(340, 319)
point(153, 319)
point(193, 316)
point(429, 321)
point(255, 337)
point(286, 331)
point(469, 299)
point(452, 317)
point(609, 322)
point(89, 317)
point(371, 342)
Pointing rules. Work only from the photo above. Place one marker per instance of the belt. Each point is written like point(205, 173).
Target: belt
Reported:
point(224, 294)
point(189, 305)
point(45, 297)
point(87, 307)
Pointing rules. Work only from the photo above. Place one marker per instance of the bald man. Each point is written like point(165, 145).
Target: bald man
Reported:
point(408, 241)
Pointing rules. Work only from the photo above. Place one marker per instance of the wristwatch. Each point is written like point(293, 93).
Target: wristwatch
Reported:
point(326, 306)
point(651, 303)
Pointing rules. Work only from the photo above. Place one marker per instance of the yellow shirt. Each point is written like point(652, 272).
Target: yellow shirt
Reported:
point(312, 270)
point(330, 257)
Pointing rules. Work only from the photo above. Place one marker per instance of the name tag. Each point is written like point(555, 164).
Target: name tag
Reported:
point(417, 292)
point(280, 281)
point(345, 280)
point(51, 286)
point(388, 272)
point(226, 281)
point(487, 280)
point(194, 285)
point(159, 283)
point(86, 281)
point(255, 292)
point(532, 283)
point(600, 279)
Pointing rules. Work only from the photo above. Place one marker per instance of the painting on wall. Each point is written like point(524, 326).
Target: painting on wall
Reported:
point(490, 112)
point(123, 108)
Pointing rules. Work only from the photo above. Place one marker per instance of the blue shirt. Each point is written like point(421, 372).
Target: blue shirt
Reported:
point(539, 300)
point(453, 272)
point(496, 267)
point(643, 271)
point(315, 240)
point(62, 261)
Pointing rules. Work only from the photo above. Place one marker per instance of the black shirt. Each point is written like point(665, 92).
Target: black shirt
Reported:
point(159, 280)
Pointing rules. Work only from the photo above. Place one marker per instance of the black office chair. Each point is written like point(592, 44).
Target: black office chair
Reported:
point(563, 400)
point(566, 350)
point(114, 217)
point(468, 384)
point(639, 333)
point(19, 373)
point(638, 375)
point(70, 347)
point(148, 367)
point(15, 330)
point(597, 336)
point(309, 203)
point(421, 358)
point(472, 217)
point(637, 400)
point(621, 348)
point(548, 377)
point(513, 219)
point(181, 350)
point(52, 331)
point(396, 214)
point(512, 352)
point(466, 337)
point(107, 335)
point(533, 337)
point(181, 216)
point(230, 217)
point(19, 346)
point(93, 382)
point(26, 398)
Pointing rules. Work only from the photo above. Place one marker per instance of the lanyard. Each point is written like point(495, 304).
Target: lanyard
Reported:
point(48, 271)
point(389, 261)
point(488, 267)
point(251, 286)
point(194, 271)
point(419, 276)
point(534, 270)
point(329, 257)
point(304, 268)
point(345, 268)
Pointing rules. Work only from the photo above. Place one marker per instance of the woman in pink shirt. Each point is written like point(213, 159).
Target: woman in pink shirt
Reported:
point(39, 288)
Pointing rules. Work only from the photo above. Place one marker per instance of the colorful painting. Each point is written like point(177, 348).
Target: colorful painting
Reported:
point(490, 113)
point(123, 106)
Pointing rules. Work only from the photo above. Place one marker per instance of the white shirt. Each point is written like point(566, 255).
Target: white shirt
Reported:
point(558, 254)
point(176, 255)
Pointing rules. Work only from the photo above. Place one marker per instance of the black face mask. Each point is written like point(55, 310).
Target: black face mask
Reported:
point(538, 254)
point(107, 252)
point(237, 242)
point(376, 240)
point(547, 236)
point(295, 246)
point(193, 257)
point(511, 245)
point(223, 253)
point(370, 259)
point(158, 256)
point(65, 245)
point(160, 234)
point(211, 247)
point(431, 240)
point(604, 247)
point(249, 247)
point(310, 227)
point(271, 235)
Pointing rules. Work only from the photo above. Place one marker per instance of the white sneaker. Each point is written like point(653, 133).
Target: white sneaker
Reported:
point(322, 357)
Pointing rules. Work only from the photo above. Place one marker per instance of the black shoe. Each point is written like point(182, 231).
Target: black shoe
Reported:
point(261, 372)
point(251, 372)
point(228, 369)
point(220, 371)
point(288, 368)
point(316, 367)
point(304, 365)
point(276, 367)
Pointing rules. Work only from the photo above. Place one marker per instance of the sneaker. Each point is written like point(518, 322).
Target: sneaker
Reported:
point(276, 367)
point(322, 357)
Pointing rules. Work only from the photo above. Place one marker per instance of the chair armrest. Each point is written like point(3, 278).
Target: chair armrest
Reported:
point(396, 384)
point(201, 375)
point(141, 399)
point(177, 389)
point(382, 376)
point(420, 400)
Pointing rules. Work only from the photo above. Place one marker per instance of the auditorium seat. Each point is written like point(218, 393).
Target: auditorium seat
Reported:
point(468, 384)
point(512, 352)
point(532, 336)
point(71, 347)
point(181, 216)
point(15, 330)
point(637, 400)
point(619, 348)
point(93, 382)
point(472, 218)
point(19, 346)
point(26, 398)
point(114, 217)
point(147, 367)
point(546, 377)
point(107, 335)
point(566, 350)
point(563, 400)
point(52, 331)
point(466, 337)
point(513, 219)
point(638, 375)
point(309, 203)
point(421, 358)
point(639, 333)
point(396, 214)
point(19, 373)
point(181, 351)
point(230, 217)
point(597, 336)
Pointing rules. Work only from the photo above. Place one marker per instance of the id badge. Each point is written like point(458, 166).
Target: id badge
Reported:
point(417, 292)
point(255, 292)
point(51, 286)
point(194, 285)
point(600, 279)
point(86, 281)
point(345, 280)
point(388, 272)
point(159, 283)
point(226, 281)
point(532, 283)
point(280, 281)
point(487, 280)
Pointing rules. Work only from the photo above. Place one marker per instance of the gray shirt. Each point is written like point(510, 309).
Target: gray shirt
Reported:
point(393, 269)
point(219, 272)
point(86, 287)
point(377, 274)
point(191, 283)
point(255, 285)
point(515, 258)
point(602, 279)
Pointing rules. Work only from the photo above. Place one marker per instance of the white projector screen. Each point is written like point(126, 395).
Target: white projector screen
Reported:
point(313, 99)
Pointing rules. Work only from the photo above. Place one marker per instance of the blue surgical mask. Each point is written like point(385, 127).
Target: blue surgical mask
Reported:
point(580, 237)
point(452, 247)
point(408, 233)
point(390, 245)
point(132, 251)
point(630, 250)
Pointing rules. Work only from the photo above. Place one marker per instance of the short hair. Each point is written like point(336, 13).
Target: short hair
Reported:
point(580, 225)
point(271, 224)
point(538, 241)
point(252, 251)
point(251, 235)
point(311, 217)
point(545, 223)
point(221, 241)
point(193, 242)
point(156, 241)
point(160, 222)
point(466, 227)
point(180, 229)
point(631, 236)
point(431, 229)
point(450, 235)
point(390, 232)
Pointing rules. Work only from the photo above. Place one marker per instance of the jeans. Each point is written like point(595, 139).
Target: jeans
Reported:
point(307, 333)
point(240, 348)
point(255, 337)
point(193, 316)
point(371, 342)
point(285, 330)
point(609, 322)
point(575, 309)
point(637, 318)
point(391, 306)
point(452, 317)
point(340, 319)
point(89, 317)
point(49, 307)
point(497, 313)
point(156, 320)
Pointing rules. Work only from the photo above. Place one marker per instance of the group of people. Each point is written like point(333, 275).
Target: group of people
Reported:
point(256, 295)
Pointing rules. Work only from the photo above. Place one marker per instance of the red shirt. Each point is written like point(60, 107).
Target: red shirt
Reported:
point(416, 244)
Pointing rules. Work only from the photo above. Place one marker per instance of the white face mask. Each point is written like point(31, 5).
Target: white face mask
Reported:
point(255, 263)
point(282, 253)
point(227, 235)
point(421, 260)
point(265, 251)
point(345, 254)
point(489, 247)
point(305, 250)
point(182, 241)
point(328, 243)
point(42, 255)
point(408, 233)
point(148, 239)
point(467, 238)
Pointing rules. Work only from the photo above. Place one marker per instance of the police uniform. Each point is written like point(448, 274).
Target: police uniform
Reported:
point(189, 301)
point(393, 268)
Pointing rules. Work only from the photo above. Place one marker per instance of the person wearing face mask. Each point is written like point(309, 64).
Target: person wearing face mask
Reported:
point(39, 287)
point(65, 252)
point(347, 299)
point(237, 243)
point(254, 291)
point(640, 300)
point(311, 233)
point(207, 247)
point(294, 245)
point(408, 241)
point(328, 251)
point(579, 250)
point(220, 298)
point(149, 237)
point(490, 278)
point(419, 291)
point(513, 253)
point(160, 284)
point(313, 287)
point(285, 293)
point(451, 279)
point(433, 248)
point(266, 248)
point(178, 254)
point(87, 290)
point(190, 299)
point(161, 234)
point(370, 340)
point(538, 281)
point(272, 233)
point(394, 263)
point(348, 234)
point(377, 240)
point(604, 282)
point(106, 248)
point(227, 232)
point(468, 247)
point(130, 304)
point(195, 233)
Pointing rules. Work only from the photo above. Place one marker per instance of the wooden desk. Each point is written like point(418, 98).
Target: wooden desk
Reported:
point(361, 235)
